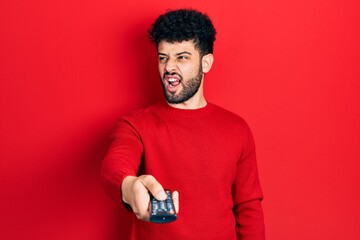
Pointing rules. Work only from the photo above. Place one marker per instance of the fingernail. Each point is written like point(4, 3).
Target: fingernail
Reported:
point(162, 194)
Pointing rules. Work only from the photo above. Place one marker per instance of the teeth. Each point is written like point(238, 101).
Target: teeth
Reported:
point(172, 80)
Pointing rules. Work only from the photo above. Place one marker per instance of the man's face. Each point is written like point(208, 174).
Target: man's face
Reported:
point(180, 70)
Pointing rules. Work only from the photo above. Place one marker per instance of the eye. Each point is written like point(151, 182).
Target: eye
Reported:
point(183, 57)
point(162, 59)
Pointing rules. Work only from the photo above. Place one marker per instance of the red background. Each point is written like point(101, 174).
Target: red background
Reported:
point(68, 69)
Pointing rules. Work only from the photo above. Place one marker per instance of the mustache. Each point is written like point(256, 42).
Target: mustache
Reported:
point(172, 74)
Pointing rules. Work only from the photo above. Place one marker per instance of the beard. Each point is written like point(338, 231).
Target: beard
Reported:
point(189, 89)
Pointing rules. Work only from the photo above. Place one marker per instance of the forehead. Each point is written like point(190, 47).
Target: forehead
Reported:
point(177, 47)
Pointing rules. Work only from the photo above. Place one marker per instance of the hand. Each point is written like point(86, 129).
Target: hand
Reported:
point(135, 192)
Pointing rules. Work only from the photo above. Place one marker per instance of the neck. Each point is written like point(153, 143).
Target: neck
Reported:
point(190, 104)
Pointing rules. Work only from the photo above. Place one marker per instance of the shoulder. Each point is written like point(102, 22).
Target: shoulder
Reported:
point(229, 117)
point(234, 127)
point(135, 121)
point(142, 116)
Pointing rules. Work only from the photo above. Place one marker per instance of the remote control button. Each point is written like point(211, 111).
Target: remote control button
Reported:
point(169, 205)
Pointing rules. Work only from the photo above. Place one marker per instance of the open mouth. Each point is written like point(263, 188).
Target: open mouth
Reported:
point(173, 82)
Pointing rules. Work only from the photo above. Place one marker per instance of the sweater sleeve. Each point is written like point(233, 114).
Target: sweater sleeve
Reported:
point(123, 158)
point(247, 194)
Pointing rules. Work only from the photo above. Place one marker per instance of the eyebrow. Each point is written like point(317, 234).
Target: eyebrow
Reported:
point(185, 52)
point(177, 54)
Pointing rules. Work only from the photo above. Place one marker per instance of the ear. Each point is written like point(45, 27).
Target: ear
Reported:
point(207, 61)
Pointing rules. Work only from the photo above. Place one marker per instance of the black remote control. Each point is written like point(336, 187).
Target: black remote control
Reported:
point(162, 211)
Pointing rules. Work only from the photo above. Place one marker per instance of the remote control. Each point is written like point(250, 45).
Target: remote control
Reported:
point(162, 211)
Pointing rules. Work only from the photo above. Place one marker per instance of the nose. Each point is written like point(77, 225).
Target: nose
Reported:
point(170, 66)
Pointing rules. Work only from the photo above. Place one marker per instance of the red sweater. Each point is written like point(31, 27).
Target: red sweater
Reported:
point(207, 154)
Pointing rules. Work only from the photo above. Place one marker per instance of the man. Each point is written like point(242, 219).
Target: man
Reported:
point(202, 152)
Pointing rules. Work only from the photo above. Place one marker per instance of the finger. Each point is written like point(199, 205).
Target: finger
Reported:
point(141, 205)
point(175, 197)
point(154, 187)
point(143, 216)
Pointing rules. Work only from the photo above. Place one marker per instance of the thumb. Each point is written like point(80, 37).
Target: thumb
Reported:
point(153, 186)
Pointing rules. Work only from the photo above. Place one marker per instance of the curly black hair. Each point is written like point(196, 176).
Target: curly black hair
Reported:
point(184, 25)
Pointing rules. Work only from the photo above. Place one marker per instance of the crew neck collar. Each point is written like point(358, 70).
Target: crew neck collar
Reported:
point(191, 113)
